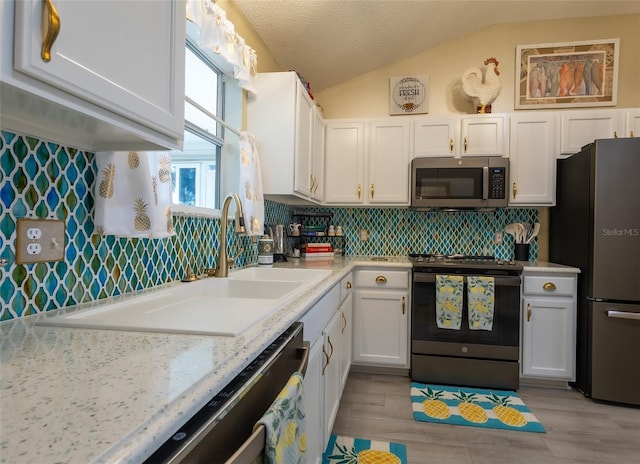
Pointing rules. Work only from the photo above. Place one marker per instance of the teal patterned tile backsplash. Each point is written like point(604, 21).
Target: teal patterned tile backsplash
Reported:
point(46, 180)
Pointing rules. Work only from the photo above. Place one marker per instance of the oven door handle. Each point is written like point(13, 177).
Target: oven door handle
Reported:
point(501, 281)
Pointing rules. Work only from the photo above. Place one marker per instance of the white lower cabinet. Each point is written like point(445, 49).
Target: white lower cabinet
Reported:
point(381, 318)
point(323, 325)
point(346, 312)
point(549, 326)
point(331, 371)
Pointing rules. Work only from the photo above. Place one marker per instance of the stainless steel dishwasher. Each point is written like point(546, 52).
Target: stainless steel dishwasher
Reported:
point(222, 431)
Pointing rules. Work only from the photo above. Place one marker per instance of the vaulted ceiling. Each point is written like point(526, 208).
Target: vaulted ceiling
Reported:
point(331, 41)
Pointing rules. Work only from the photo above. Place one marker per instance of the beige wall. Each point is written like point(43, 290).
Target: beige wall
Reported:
point(368, 94)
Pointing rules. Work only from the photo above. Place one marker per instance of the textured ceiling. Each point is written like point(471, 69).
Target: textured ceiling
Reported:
point(331, 41)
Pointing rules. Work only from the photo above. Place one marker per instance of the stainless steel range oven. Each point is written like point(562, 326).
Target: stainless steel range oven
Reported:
point(465, 357)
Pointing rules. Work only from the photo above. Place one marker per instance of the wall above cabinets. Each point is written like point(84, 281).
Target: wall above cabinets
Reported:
point(101, 89)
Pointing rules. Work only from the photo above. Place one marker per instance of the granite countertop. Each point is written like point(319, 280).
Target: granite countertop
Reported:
point(100, 396)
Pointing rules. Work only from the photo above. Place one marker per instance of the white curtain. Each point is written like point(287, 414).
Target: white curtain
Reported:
point(251, 185)
point(218, 35)
point(133, 194)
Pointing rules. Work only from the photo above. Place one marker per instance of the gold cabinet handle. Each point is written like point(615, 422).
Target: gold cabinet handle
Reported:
point(528, 312)
point(549, 286)
point(451, 145)
point(615, 134)
point(381, 280)
point(348, 285)
point(404, 305)
point(344, 322)
point(326, 358)
point(631, 134)
point(52, 20)
point(359, 191)
point(515, 190)
point(465, 144)
point(373, 190)
point(331, 346)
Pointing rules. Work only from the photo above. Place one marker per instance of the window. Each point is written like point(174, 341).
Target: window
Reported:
point(196, 170)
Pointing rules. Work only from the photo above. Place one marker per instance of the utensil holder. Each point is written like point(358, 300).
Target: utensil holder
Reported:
point(521, 252)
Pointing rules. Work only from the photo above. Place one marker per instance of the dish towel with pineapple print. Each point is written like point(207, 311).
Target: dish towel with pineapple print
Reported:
point(449, 292)
point(480, 298)
point(133, 194)
point(496, 409)
point(286, 440)
point(251, 185)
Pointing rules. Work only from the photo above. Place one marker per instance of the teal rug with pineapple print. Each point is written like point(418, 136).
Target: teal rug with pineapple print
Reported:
point(497, 409)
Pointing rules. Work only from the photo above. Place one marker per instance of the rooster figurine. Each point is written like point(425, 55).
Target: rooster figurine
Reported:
point(483, 92)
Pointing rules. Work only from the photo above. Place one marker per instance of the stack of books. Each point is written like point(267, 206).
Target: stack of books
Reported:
point(316, 250)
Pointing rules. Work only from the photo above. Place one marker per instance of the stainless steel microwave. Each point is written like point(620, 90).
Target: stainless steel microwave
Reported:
point(459, 182)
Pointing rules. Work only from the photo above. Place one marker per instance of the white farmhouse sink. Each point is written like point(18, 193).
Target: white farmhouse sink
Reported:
point(275, 273)
point(209, 306)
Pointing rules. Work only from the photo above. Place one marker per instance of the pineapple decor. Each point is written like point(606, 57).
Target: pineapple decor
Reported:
point(433, 406)
point(344, 455)
point(165, 169)
point(105, 188)
point(142, 221)
point(469, 409)
point(508, 415)
point(476, 407)
point(133, 159)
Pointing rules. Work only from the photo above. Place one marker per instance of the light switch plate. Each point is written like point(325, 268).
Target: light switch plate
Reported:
point(39, 240)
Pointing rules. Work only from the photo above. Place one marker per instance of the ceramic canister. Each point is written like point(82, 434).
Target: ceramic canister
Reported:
point(265, 250)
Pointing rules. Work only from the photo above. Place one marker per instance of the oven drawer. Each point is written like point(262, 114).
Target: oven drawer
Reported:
point(381, 278)
point(548, 285)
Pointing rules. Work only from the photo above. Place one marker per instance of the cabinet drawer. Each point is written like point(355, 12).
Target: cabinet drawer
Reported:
point(548, 285)
point(381, 278)
point(345, 286)
point(319, 314)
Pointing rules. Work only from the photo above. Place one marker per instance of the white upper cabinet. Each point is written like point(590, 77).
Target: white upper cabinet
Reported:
point(482, 135)
point(388, 163)
point(632, 123)
point(436, 137)
point(288, 128)
point(534, 144)
point(344, 162)
point(474, 135)
point(584, 126)
point(367, 163)
point(317, 158)
point(105, 85)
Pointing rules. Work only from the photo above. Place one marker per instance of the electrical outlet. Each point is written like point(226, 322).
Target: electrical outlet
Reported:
point(498, 237)
point(39, 240)
point(34, 248)
point(34, 233)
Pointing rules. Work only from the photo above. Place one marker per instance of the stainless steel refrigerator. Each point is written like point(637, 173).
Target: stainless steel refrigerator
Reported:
point(596, 227)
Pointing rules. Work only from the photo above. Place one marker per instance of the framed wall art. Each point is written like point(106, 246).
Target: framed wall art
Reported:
point(409, 95)
point(570, 74)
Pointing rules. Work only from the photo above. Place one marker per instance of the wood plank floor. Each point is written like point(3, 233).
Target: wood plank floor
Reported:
point(579, 430)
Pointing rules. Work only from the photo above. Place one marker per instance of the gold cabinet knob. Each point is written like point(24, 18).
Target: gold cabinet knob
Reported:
point(348, 285)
